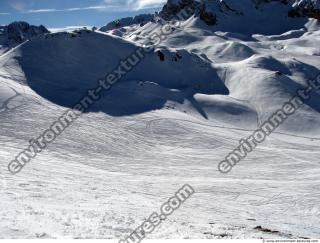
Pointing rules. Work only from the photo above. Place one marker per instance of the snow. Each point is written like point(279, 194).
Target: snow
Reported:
point(69, 28)
point(137, 20)
point(164, 125)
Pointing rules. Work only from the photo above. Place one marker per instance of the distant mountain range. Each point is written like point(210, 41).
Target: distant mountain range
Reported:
point(209, 10)
point(212, 12)
point(18, 32)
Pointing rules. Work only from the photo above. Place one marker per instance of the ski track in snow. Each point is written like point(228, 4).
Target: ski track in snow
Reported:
point(104, 175)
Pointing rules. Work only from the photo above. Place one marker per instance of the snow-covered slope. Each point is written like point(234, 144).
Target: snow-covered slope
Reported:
point(249, 64)
point(91, 55)
point(166, 123)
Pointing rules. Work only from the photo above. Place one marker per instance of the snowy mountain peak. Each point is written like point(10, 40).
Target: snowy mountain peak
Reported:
point(208, 10)
point(229, 15)
point(246, 16)
point(18, 32)
point(139, 19)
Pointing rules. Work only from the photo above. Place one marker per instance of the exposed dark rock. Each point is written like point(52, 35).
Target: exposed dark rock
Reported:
point(210, 11)
point(183, 8)
point(260, 228)
point(18, 32)
point(209, 18)
point(160, 55)
point(140, 20)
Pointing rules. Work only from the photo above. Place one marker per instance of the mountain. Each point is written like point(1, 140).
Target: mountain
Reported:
point(232, 16)
point(18, 32)
point(309, 8)
point(306, 8)
point(172, 117)
point(242, 16)
point(139, 20)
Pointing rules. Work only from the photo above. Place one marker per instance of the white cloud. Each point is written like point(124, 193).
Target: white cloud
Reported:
point(135, 4)
point(48, 10)
point(87, 8)
point(107, 5)
point(4, 13)
point(41, 10)
point(149, 3)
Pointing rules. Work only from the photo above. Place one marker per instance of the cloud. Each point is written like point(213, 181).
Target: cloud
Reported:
point(135, 4)
point(4, 13)
point(41, 10)
point(149, 3)
point(47, 10)
point(17, 5)
point(107, 5)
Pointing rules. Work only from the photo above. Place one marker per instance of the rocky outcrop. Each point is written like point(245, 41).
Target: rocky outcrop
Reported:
point(205, 10)
point(306, 8)
point(208, 17)
point(213, 12)
point(173, 7)
point(208, 10)
point(140, 19)
point(18, 32)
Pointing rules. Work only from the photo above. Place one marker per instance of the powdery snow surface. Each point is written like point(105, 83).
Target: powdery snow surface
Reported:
point(164, 125)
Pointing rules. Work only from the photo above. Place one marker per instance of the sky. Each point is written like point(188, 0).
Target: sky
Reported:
point(65, 13)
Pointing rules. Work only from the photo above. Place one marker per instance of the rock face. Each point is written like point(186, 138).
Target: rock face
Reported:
point(212, 12)
point(208, 10)
point(18, 32)
point(306, 8)
point(173, 7)
point(205, 10)
point(209, 18)
point(140, 19)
